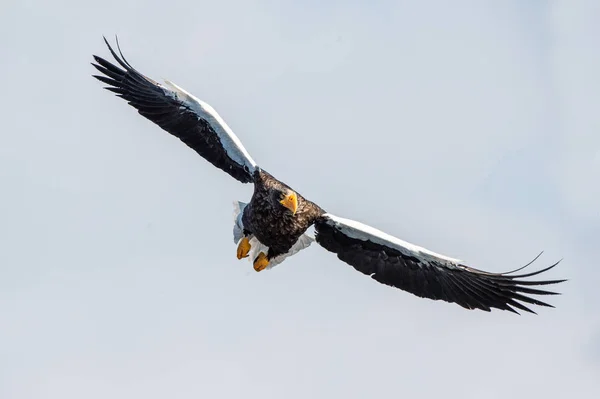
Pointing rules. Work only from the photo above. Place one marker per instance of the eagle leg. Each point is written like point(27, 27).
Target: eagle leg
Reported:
point(243, 248)
point(261, 262)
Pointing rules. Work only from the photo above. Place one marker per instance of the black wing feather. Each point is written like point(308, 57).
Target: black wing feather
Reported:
point(430, 277)
point(173, 116)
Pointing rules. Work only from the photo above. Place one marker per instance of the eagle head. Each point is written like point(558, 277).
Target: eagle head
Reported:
point(285, 200)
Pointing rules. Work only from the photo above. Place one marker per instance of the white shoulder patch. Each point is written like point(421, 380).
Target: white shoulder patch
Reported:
point(231, 143)
point(360, 231)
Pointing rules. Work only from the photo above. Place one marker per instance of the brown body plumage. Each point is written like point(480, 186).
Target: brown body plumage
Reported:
point(274, 225)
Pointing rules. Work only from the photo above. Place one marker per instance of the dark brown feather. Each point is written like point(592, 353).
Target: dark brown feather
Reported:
point(434, 279)
point(272, 224)
point(151, 101)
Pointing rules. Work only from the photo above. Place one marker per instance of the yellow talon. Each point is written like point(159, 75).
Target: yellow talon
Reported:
point(243, 248)
point(261, 262)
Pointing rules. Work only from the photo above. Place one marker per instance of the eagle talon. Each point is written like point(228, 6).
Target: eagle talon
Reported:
point(261, 262)
point(243, 248)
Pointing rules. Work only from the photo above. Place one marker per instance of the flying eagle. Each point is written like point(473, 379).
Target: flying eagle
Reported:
point(273, 225)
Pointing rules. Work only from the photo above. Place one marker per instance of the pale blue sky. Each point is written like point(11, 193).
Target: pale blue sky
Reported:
point(466, 127)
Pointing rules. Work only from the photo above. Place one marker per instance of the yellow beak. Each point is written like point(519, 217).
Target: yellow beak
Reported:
point(290, 202)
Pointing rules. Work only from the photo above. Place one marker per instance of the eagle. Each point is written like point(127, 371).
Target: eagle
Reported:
point(273, 225)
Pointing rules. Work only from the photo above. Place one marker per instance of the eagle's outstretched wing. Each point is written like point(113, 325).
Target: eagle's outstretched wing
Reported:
point(178, 112)
point(426, 274)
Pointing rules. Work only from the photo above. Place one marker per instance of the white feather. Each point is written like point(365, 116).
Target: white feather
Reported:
point(361, 231)
point(303, 242)
point(238, 226)
point(231, 143)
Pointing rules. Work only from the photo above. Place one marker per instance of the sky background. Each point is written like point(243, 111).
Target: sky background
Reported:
point(466, 127)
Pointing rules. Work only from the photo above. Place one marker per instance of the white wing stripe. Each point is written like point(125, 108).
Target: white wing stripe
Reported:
point(359, 231)
point(231, 143)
